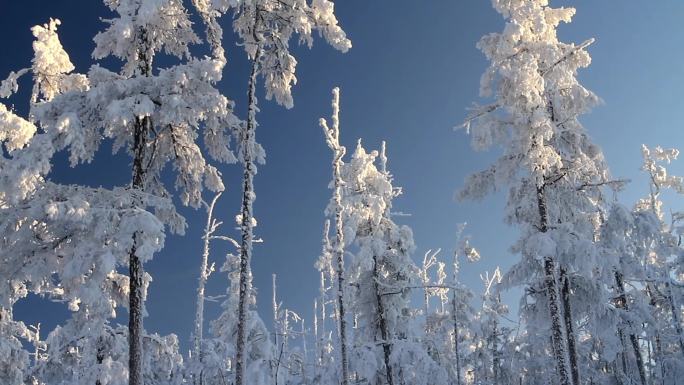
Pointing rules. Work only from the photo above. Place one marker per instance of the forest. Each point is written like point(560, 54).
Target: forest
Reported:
point(598, 280)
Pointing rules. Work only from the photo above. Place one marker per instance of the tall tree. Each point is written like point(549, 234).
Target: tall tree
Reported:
point(387, 348)
point(332, 138)
point(661, 257)
point(156, 116)
point(554, 171)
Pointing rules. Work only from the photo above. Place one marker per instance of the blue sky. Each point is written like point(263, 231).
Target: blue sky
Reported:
point(412, 72)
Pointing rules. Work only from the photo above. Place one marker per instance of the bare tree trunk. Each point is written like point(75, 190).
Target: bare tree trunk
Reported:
point(205, 271)
point(274, 304)
point(569, 327)
point(317, 342)
point(557, 337)
point(382, 321)
point(246, 223)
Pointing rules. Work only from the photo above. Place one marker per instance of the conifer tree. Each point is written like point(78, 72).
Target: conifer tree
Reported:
point(554, 171)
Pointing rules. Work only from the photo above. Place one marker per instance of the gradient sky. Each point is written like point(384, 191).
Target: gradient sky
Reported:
point(412, 72)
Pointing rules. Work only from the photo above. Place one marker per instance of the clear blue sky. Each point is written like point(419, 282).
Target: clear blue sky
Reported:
point(408, 79)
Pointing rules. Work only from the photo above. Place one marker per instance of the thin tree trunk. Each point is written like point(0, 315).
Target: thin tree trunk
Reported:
point(246, 222)
point(495, 358)
point(317, 342)
point(332, 137)
point(569, 327)
point(658, 345)
point(274, 304)
point(340, 296)
point(457, 354)
point(675, 315)
point(382, 321)
point(557, 337)
point(622, 302)
point(205, 271)
point(306, 353)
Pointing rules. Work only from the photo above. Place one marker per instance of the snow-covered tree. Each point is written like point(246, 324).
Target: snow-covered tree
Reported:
point(79, 236)
point(490, 335)
point(290, 364)
point(156, 116)
point(335, 210)
point(625, 236)
point(381, 275)
point(554, 171)
point(461, 312)
point(449, 332)
point(196, 364)
point(325, 311)
point(661, 259)
point(16, 132)
point(219, 354)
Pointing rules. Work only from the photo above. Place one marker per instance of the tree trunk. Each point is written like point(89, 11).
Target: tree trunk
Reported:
point(382, 321)
point(246, 223)
point(658, 345)
point(141, 130)
point(675, 315)
point(569, 327)
point(136, 273)
point(622, 303)
point(333, 138)
point(457, 354)
point(495, 358)
point(204, 276)
point(557, 337)
point(340, 294)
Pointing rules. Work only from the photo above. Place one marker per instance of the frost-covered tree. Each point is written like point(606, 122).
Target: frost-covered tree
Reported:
point(335, 210)
point(490, 335)
point(553, 170)
point(290, 365)
point(387, 346)
point(220, 351)
point(326, 369)
point(661, 257)
point(156, 116)
point(196, 365)
point(461, 312)
point(79, 235)
point(50, 68)
point(449, 332)
point(625, 236)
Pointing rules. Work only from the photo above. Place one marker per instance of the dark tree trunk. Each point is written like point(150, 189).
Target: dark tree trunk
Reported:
point(569, 327)
point(551, 285)
point(246, 224)
point(141, 131)
point(382, 321)
point(622, 303)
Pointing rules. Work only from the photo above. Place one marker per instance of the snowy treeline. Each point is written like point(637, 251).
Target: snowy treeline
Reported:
point(601, 281)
